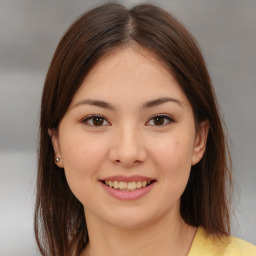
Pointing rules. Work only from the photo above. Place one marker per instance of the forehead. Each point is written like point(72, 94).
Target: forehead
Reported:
point(129, 54)
point(133, 73)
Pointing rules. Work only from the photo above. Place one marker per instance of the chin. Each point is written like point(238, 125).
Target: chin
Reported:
point(131, 219)
point(129, 224)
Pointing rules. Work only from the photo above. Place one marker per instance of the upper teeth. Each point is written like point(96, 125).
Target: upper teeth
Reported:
point(128, 186)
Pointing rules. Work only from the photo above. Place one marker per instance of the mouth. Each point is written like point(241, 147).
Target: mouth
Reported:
point(127, 186)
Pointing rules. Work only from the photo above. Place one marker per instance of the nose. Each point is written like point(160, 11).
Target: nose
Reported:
point(127, 147)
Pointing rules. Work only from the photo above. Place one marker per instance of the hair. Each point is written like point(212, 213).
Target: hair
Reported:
point(60, 225)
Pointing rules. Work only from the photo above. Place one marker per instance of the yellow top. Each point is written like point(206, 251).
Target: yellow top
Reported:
point(203, 245)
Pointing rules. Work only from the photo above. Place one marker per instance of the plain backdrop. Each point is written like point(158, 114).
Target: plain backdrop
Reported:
point(29, 33)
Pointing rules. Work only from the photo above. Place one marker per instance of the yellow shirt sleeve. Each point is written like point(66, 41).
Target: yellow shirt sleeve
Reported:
point(204, 245)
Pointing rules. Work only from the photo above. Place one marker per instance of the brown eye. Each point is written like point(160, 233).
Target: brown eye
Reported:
point(95, 121)
point(160, 120)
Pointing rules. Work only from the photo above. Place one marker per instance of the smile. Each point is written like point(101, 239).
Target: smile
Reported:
point(127, 186)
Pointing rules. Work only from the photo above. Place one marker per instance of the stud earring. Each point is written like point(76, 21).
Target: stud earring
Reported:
point(57, 159)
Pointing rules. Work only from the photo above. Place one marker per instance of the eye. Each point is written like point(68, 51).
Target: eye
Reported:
point(160, 120)
point(96, 121)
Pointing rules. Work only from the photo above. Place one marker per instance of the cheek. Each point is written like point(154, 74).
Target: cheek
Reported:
point(173, 158)
point(174, 152)
point(82, 159)
point(82, 152)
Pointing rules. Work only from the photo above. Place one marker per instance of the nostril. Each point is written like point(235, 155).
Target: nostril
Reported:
point(126, 153)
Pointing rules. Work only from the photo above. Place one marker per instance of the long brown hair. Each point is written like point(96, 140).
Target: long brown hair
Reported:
point(60, 225)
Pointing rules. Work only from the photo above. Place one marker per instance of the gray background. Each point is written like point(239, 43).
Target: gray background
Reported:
point(29, 33)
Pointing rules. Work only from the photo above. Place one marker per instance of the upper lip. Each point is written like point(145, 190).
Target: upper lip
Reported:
point(127, 178)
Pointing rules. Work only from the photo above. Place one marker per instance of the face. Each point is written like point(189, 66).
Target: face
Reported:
point(128, 140)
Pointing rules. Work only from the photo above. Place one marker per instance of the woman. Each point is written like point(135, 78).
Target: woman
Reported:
point(133, 159)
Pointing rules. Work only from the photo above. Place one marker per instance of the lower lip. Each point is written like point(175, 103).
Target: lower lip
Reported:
point(128, 195)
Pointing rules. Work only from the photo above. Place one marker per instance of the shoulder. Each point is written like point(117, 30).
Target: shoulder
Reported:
point(225, 246)
point(240, 247)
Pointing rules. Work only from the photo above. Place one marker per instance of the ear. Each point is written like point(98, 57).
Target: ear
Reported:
point(200, 142)
point(53, 133)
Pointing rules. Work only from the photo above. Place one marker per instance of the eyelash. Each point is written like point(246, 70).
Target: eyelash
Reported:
point(166, 118)
point(93, 117)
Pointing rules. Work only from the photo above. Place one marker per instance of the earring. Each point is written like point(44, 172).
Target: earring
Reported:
point(57, 159)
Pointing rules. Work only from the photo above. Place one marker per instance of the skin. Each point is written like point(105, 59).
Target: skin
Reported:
point(131, 141)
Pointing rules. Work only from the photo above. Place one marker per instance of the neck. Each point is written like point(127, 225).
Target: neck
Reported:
point(162, 238)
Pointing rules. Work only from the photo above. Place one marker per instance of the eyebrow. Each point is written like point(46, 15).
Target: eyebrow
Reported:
point(159, 101)
point(148, 104)
point(97, 103)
